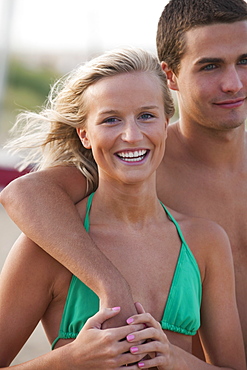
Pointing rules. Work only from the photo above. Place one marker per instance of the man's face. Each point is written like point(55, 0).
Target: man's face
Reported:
point(212, 80)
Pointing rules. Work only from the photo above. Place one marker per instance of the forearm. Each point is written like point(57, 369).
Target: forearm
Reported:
point(59, 359)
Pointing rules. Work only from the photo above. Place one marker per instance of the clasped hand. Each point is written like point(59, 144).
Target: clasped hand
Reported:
point(115, 348)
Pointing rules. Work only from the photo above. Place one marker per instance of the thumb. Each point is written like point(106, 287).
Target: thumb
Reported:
point(100, 317)
point(139, 308)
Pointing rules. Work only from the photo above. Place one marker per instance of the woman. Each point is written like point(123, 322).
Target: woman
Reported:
point(118, 106)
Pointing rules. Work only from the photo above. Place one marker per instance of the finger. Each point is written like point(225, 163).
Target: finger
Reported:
point(130, 360)
point(150, 333)
point(144, 318)
point(139, 308)
point(152, 363)
point(104, 314)
point(149, 347)
point(122, 332)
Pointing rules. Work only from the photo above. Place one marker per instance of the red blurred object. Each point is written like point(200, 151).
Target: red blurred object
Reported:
point(9, 174)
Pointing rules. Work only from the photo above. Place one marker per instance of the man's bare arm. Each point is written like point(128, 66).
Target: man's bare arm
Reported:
point(42, 206)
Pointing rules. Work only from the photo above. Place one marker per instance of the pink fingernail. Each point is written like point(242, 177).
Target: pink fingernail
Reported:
point(130, 337)
point(141, 364)
point(134, 349)
point(129, 320)
point(115, 308)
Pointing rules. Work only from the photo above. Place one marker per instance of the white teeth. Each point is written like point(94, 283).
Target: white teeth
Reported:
point(135, 156)
point(136, 153)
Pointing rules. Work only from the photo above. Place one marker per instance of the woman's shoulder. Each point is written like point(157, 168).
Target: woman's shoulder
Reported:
point(206, 239)
point(192, 223)
point(27, 259)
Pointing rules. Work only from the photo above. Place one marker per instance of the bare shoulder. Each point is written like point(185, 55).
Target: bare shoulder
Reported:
point(26, 259)
point(199, 226)
point(207, 240)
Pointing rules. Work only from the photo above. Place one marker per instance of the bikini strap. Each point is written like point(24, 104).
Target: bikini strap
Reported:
point(175, 223)
point(88, 208)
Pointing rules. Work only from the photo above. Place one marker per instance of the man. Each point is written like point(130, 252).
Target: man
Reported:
point(205, 159)
point(203, 49)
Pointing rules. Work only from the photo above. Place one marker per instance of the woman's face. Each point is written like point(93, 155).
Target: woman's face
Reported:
point(126, 126)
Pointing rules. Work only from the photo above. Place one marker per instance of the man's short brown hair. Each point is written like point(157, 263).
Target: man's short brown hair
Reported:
point(179, 16)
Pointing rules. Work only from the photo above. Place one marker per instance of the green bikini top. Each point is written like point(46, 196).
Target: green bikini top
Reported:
point(182, 309)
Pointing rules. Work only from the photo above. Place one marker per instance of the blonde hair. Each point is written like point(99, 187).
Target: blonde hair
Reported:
point(50, 135)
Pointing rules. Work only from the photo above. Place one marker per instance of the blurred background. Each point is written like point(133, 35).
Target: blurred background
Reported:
point(40, 41)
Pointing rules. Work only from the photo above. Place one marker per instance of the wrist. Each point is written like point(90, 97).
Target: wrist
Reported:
point(116, 294)
point(68, 357)
point(179, 358)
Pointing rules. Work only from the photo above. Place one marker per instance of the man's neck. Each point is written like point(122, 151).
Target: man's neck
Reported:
point(214, 148)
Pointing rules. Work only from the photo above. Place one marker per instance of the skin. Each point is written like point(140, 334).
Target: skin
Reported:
point(126, 212)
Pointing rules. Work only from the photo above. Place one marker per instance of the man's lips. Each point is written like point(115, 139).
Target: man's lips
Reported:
point(231, 103)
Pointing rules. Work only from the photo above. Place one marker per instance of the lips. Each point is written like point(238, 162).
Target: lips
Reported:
point(231, 103)
point(132, 156)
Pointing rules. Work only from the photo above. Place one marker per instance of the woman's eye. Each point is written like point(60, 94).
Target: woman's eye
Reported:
point(146, 116)
point(110, 120)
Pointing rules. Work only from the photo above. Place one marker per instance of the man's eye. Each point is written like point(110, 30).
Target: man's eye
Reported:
point(209, 67)
point(243, 61)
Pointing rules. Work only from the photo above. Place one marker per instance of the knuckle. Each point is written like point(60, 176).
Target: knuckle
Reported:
point(160, 361)
point(159, 325)
point(152, 332)
point(112, 363)
point(111, 353)
point(107, 337)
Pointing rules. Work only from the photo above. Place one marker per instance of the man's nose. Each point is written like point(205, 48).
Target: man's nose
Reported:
point(232, 81)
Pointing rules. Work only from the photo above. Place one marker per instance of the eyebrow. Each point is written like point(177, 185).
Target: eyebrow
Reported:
point(209, 60)
point(216, 60)
point(115, 111)
point(243, 56)
point(149, 107)
point(110, 111)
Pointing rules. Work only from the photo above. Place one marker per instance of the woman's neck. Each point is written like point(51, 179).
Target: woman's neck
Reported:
point(129, 204)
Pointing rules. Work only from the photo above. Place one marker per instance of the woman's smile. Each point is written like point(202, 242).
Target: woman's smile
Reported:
point(133, 156)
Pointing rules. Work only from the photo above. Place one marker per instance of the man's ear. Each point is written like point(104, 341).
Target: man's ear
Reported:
point(82, 133)
point(171, 77)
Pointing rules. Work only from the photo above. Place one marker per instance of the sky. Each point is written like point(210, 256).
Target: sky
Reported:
point(77, 25)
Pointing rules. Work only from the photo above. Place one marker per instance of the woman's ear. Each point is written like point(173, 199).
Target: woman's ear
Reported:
point(82, 133)
point(171, 77)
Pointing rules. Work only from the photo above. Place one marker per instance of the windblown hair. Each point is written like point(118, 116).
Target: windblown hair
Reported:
point(180, 16)
point(49, 138)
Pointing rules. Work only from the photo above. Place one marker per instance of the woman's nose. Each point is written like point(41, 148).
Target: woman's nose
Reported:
point(132, 132)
